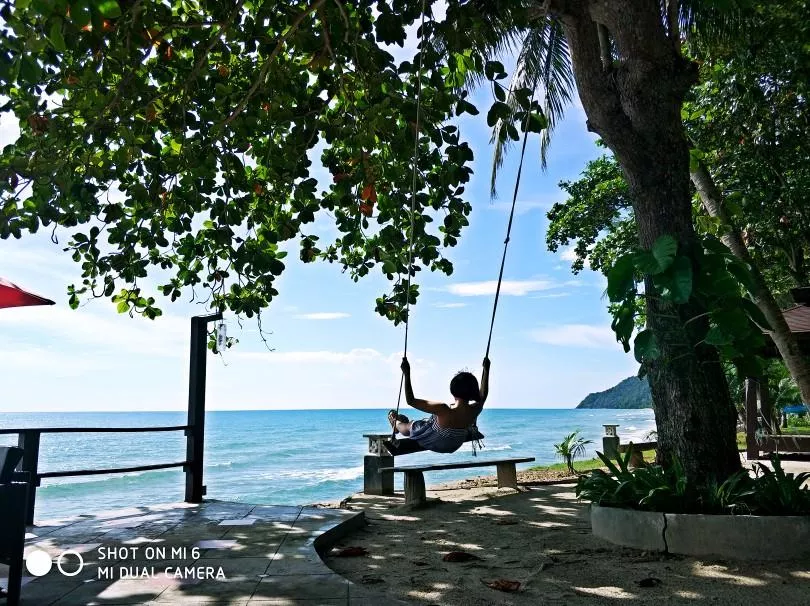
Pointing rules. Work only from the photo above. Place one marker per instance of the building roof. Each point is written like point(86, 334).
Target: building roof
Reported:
point(798, 318)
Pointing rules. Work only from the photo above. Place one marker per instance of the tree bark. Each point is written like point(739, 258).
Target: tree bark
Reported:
point(785, 341)
point(635, 108)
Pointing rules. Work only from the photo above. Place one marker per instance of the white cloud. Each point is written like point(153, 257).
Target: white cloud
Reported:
point(80, 329)
point(517, 288)
point(322, 315)
point(449, 305)
point(304, 357)
point(568, 254)
point(553, 295)
point(55, 364)
point(576, 335)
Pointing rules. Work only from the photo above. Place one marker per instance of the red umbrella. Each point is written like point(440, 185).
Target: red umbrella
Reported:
point(12, 295)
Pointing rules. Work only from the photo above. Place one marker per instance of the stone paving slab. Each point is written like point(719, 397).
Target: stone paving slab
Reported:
point(212, 553)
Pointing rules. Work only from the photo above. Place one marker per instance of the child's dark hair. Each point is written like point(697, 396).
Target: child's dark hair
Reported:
point(464, 386)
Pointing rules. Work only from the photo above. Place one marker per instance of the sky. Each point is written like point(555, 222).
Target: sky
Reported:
point(552, 342)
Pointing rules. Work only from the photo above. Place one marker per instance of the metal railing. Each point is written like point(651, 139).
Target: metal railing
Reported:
point(29, 440)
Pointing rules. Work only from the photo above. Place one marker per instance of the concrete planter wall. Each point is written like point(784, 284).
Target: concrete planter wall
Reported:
point(735, 537)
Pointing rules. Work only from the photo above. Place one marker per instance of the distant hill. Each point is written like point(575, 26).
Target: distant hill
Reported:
point(630, 393)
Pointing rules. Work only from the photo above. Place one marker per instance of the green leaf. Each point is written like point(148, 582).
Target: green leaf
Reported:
point(731, 321)
point(498, 111)
point(714, 245)
point(537, 122)
point(716, 336)
point(681, 285)
point(123, 307)
point(621, 279)
point(55, 36)
point(645, 346)
point(80, 13)
point(664, 250)
point(646, 263)
point(755, 313)
point(109, 9)
point(493, 70)
point(465, 106)
point(389, 29)
point(500, 92)
point(523, 97)
point(742, 273)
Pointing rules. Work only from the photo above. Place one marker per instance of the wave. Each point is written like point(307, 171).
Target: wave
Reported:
point(496, 448)
point(318, 475)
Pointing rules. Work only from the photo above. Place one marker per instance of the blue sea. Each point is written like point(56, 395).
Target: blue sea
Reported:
point(289, 457)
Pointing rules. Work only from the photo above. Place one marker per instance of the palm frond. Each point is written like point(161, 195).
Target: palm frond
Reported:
point(544, 64)
point(709, 23)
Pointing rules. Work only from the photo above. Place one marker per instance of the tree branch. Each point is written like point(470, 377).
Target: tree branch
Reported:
point(268, 62)
point(604, 46)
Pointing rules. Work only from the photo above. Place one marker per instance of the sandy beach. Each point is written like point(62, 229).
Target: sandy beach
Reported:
point(539, 537)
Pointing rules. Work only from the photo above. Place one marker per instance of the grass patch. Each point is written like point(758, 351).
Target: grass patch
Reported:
point(585, 465)
point(788, 431)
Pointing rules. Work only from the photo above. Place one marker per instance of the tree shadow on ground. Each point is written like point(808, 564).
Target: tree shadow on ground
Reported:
point(540, 538)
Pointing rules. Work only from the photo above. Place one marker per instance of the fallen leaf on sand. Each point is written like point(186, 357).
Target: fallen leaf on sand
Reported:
point(503, 585)
point(649, 582)
point(351, 552)
point(371, 580)
point(460, 556)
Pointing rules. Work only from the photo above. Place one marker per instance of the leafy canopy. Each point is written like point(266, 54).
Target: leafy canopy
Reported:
point(180, 140)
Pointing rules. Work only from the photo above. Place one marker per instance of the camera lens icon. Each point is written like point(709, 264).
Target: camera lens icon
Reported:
point(39, 563)
point(63, 563)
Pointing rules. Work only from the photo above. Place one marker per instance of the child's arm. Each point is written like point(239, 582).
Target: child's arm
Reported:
point(418, 403)
point(484, 382)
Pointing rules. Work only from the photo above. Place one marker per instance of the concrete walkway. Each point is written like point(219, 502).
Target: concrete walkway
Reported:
point(214, 553)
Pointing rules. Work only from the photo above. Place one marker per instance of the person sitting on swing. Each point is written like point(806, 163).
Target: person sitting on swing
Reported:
point(449, 425)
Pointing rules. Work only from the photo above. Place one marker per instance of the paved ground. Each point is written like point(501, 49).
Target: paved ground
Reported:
point(214, 553)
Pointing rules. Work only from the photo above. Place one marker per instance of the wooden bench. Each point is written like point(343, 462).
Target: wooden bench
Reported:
point(415, 480)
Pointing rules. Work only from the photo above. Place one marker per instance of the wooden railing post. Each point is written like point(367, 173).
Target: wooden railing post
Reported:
point(28, 440)
point(610, 442)
point(195, 434)
point(751, 422)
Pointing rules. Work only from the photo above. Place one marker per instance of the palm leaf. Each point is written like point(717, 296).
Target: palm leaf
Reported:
point(543, 65)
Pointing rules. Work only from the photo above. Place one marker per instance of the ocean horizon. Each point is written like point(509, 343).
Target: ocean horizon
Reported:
point(281, 457)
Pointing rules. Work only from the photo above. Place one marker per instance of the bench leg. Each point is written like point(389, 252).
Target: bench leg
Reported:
point(507, 475)
point(415, 488)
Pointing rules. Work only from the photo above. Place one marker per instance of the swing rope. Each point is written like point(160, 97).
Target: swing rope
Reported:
point(412, 214)
point(511, 217)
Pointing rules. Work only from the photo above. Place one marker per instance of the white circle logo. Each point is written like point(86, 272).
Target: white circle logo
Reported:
point(38, 563)
point(68, 552)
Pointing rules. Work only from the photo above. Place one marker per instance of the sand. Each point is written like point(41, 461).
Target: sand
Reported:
point(540, 537)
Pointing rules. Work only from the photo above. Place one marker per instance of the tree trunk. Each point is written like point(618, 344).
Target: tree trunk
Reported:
point(785, 341)
point(635, 108)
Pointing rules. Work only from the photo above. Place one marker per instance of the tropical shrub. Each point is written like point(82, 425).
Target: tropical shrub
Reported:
point(667, 490)
point(572, 446)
